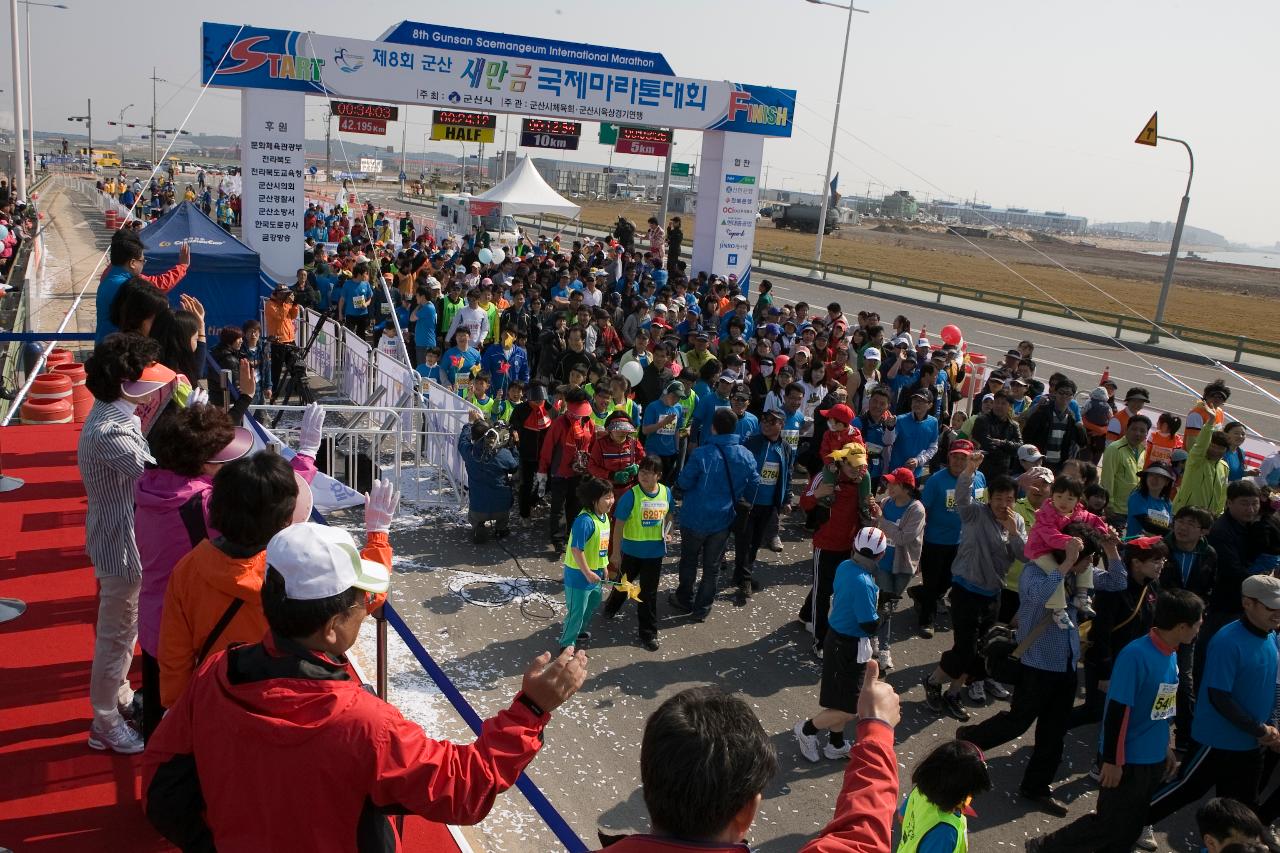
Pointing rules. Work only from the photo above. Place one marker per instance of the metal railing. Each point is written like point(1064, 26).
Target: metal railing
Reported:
point(1017, 306)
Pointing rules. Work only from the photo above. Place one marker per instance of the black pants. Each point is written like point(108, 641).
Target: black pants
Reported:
point(670, 469)
point(647, 571)
point(972, 615)
point(359, 325)
point(817, 604)
point(1095, 699)
point(562, 492)
point(1235, 774)
point(282, 359)
point(1009, 601)
point(935, 579)
point(752, 527)
point(1043, 698)
point(1120, 816)
point(528, 469)
point(152, 710)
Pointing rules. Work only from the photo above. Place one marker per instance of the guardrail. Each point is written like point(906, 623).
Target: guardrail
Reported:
point(1020, 306)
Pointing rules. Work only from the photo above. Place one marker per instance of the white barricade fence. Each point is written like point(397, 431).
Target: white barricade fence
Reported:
point(354, 378)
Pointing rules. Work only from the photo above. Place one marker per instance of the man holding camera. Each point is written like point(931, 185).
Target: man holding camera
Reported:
point(490, 463)
point(280, 313)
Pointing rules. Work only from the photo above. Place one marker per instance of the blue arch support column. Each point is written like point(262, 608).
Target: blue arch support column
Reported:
point(728, 198)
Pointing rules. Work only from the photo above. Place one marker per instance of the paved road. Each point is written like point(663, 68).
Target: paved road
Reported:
point(589, 767)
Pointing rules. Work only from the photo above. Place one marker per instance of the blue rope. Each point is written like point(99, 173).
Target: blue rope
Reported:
point(553, 819)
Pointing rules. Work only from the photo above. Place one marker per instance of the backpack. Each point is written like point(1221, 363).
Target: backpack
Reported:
point(1097, 412)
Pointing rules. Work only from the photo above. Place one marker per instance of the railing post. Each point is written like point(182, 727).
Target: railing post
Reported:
point(1119, 325)
point(1239, 349)
point(1022, 306)
point(939, 286)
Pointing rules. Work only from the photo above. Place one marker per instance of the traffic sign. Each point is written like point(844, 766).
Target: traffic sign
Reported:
point(608, 134)
point(1148, 134)
point(403, 176)
point(680, 170)
point(312, 169)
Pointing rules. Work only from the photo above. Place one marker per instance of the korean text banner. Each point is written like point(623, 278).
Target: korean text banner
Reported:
point(474, 78)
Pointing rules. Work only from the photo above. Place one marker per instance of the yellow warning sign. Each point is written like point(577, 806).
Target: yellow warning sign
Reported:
point(1148, 135)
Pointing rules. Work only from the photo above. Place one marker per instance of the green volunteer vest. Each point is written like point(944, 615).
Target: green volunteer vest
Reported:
point(598, 420)
point(922, 816)
point(690, 400)
point(597, 550)
point(485, 408)
point(647, 515)
point(502, 412)
point(629, 407)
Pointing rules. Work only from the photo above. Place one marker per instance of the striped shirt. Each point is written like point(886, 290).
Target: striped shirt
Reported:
point(111, 456)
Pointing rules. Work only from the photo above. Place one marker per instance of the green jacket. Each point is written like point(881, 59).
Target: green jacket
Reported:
point(1204, 483)
point(1120, 467)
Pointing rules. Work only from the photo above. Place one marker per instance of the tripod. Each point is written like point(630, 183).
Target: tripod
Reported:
point(296, 372)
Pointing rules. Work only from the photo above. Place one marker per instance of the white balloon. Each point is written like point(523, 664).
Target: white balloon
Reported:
point(486, 257)
point(633, 372)
point(499, 255)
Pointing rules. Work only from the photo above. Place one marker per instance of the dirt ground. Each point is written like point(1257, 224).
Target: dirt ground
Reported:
point(1227, 298)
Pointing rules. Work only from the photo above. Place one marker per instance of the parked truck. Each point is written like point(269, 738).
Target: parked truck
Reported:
point(804, 217)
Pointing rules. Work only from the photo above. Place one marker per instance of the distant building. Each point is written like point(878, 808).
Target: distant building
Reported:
point(968, 213)
point(900, 205)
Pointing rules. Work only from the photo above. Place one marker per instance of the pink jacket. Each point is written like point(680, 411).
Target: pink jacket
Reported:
point(163, 539)
point(1046, 534)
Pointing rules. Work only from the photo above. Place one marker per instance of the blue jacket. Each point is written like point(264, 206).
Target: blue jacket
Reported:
point(708, 504)
point(487, 487)
point(757, 445)
point(703, 411)
point(914, 439)
point(517, 366)
point(107, 290)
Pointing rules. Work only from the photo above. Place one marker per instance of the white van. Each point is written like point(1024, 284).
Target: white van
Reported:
point(456, 217)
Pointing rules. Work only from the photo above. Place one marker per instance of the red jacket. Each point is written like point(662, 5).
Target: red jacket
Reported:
point(832, 440)
point(863, 821)
point(845, 518)
point(566, 437)
point(289, 752)
point(607, 456)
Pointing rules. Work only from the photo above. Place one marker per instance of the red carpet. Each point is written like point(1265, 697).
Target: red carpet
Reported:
point(57, 794)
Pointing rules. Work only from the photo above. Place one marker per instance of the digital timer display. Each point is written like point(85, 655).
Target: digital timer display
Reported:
point(552, 126)
point(643, 134)
point(352, 109)
point(454, 118)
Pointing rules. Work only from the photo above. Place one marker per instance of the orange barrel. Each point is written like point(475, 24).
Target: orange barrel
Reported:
point(47, 411)
point(977, 364)
point(81, 398)
point(112, 219)
point(51, 387)
point(58, 356)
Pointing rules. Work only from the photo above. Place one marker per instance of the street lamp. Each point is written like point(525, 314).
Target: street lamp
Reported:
point(1149, 137)
point(31, 104)
point(121, 123)
point(835, 125)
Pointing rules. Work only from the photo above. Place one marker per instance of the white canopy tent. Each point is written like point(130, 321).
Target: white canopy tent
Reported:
point(525, 191)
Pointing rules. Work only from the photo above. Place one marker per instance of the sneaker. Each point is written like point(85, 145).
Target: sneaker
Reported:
point(743, 593)
point(1095, 770)
point(816, 651)
point(996, 690)
point(1062, 620)
point(951, 704)
point(932, 695)
point(926, 632)
point(1147, 840)
point(835, 753)
point(808, 743)
point(977, 695)
point(119, 738)
point(584, 640)
point(650, 644)
point(776, 545)
point(885, 658)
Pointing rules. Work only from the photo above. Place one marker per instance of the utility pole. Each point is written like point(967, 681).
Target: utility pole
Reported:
point(666, 182)
point(328, 145)
point(31, 104)
point(404, 136)
point(1167, 284)
point(506, 145)
point(154, 80)
point(19, 144)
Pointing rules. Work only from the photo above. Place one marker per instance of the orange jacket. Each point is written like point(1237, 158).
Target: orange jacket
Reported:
point(280, 316)
point(201, 588)
point(1160, 447)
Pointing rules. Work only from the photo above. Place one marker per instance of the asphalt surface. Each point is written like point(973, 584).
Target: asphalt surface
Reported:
point(483, 618)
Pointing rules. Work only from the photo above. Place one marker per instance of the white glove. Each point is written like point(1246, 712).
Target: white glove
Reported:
point(312, 427)
point(197, 397)
point(380, 506)
point(540, 484)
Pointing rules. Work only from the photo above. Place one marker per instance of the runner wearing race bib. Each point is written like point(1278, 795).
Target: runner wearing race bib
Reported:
point(639, 536)
point(774, 460)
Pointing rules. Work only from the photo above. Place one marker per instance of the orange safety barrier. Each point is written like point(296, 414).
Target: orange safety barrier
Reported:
point(58, 356)
point(46, 412)
point(977, 362)
point(81, 397)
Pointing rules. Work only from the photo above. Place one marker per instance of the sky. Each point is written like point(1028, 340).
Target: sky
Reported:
point(1014, 103)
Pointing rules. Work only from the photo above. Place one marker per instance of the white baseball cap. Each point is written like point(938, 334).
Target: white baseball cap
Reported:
point(318, 561)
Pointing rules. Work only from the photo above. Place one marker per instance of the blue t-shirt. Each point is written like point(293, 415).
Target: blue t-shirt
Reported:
point(941, 521)
point(1145, 679)
point(424, 328)
point(1243, 662)
point(853, 600)
point(892, 512)
point(662, 442)
point(583, 529)
point(456, 361)
point(1235, 465)
point(643, 548)
point(356, 290)
point(771, 474)
point(792, 423)
point(431, 372)
point(748, 425)
point(1157, 510)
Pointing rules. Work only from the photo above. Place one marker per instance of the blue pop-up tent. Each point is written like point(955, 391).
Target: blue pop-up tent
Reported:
point(225, 274)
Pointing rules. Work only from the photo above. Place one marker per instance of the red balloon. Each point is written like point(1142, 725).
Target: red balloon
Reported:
point(951, 335)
